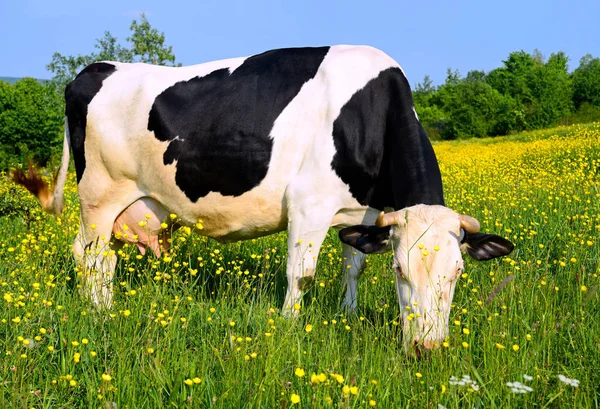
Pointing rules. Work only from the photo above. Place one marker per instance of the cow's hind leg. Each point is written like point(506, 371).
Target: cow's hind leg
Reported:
point(96, 256)
point(353, 262)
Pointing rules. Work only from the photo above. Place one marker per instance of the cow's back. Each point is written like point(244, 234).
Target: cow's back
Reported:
point(222, 141)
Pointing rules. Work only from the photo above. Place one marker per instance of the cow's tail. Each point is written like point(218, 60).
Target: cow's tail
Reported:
point(51, 197)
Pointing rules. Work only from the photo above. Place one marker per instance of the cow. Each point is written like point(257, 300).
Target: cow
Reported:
point(302, 139)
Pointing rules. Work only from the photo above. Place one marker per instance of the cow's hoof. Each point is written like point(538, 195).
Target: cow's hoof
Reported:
point(288, 312)
point(349, 306)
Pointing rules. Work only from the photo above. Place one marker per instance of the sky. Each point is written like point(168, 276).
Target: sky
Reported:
point(424, 37)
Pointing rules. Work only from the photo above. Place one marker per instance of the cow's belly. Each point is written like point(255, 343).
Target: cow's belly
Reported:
point(224, 218)
point(227, 218)
point(148, 224)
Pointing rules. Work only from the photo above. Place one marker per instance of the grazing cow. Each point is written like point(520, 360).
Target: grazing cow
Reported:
point(299, 139)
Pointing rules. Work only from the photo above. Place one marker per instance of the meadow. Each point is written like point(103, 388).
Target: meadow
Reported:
point(201, 326)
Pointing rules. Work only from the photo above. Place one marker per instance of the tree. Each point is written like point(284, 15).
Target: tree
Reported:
point(31, 122)
point(468, 107)
point(586, 82)
point(433, 119)
point(475, 75)
point(426, 87)
point(146, 44)
point(66, 68)
point(452, 77)
point(552, 91)
point(541, 89)
point(423, 91)
point(517, 71)
point(474, 109)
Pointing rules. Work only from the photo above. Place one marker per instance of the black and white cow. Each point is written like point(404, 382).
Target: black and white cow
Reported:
point(302, 139)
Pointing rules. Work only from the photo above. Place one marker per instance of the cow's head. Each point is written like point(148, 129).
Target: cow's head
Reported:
point(427, 242)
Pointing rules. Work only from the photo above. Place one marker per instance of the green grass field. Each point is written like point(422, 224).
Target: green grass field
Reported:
point(201, 327)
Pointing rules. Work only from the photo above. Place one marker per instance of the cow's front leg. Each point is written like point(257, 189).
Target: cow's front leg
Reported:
point(353, 262)
point(309, 218)
point(303, 253)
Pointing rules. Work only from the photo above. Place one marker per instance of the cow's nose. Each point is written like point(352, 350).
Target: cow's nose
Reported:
point(431, 344)
point(421, 349)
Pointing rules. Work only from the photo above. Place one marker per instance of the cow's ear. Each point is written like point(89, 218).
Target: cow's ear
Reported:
point(367, 239)
point(483, 246)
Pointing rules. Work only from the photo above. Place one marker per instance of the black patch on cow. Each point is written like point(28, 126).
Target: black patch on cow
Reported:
point(367, 239)
point(78, 95)
point(382, 151)
point(219, 124)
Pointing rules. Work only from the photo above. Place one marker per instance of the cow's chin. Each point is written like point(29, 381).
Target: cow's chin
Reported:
point(425, 324)
point(429, 335)
point(420, 334)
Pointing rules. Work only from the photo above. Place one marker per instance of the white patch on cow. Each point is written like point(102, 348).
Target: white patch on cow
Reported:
point(415, 111)
point(235, 64)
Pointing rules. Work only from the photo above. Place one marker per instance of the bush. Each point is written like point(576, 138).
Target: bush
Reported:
point(475, 109)
point(31, 122)
point(585, 114)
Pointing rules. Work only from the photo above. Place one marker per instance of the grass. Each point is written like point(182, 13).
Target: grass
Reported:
point(202, 327)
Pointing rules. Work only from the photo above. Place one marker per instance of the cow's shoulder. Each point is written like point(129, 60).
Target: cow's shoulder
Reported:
point(364, 133)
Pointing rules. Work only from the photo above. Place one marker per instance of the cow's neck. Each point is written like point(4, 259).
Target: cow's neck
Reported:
point(415, 172)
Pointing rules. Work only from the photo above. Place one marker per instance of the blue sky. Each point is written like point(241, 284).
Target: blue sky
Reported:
point(425, 37)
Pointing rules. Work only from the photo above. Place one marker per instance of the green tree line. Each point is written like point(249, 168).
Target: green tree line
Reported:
point(527, 92)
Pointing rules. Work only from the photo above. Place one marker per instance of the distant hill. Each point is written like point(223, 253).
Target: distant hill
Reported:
point(12, 80)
